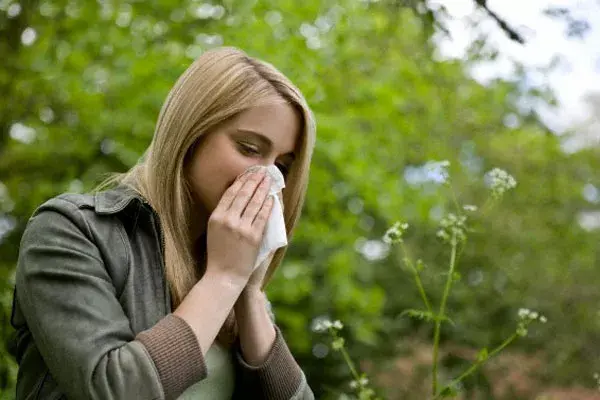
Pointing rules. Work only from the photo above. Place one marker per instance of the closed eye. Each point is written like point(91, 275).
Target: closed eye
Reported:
point(253, 151)
point(248, 149)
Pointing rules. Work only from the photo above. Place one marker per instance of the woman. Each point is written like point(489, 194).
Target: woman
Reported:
point(147, 290)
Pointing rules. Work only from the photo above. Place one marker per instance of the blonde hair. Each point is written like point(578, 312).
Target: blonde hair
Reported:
point(217, 86)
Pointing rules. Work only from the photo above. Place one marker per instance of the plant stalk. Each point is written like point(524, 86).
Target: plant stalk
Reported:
point(438, 320)
point(417, 278)
point(422, 291)
point(477, 364)
point(347, 359)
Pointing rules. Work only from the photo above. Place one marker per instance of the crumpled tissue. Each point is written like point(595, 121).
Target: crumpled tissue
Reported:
point(275, 235)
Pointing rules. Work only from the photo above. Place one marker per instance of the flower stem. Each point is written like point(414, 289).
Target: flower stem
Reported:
point(438, 320)
point(477, 364)
point(455, 200)
point(347, 358)
point(417, 278)
point(350, 363)
point(486, 206)
point(422, 290)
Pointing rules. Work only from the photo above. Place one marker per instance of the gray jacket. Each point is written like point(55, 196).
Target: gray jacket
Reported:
point(93, 315)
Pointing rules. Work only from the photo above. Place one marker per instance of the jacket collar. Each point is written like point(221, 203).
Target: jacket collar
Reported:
point(116, 200)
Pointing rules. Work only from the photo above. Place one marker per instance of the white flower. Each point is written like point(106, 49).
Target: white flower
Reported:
point(524, 313)
point(521, 331)
point(470, 207)
point(453, 227)
point(500, 181)
point(361, 382)
point(337, 324)
point(321, 325)
point(527, 315)
point(534, 315)
point(394, 234)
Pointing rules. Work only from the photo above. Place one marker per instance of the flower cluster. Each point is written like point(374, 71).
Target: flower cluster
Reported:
point(360, 386)
point(394, 234)
point(355, 384)
point(324, 325)
point(500, 181)
point(360, 382)
point(453, 228)
point(527, 316)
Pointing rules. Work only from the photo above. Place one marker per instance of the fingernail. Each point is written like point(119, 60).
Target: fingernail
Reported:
point(248, 172)
point(254, 169)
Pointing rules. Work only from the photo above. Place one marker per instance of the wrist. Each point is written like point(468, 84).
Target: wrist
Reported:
point(225, 281)
point(250, 297)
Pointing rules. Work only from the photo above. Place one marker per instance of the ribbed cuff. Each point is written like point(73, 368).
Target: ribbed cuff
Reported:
point(278, 377)
point(176, 353)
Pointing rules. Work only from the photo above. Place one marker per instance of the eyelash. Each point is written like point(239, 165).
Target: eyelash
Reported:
point(250, 150)
point(247, 149)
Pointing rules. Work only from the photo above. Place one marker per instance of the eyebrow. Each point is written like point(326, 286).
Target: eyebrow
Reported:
point(265, 140)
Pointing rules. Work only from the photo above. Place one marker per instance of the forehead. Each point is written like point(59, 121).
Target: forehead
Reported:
point(280, 123)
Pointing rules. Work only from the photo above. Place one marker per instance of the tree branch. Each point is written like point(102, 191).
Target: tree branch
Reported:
point(510, 32)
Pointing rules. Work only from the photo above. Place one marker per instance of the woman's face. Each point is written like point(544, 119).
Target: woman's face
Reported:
point(262, 135)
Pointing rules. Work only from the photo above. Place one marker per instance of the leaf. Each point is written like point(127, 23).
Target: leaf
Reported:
point(449, 391)
point(424, 315)
point(482, 355)
point(456, 276)
point(419, 314)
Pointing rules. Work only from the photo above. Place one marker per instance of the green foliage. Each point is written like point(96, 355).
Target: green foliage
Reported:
point(82, 100)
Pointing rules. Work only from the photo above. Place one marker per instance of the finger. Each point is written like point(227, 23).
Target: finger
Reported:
point(256, 202)
point(243, 196)
point(231, 192)
point(260, 222)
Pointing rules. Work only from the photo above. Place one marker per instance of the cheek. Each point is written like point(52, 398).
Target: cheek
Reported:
point(221, 173)
point(213, 170)
point(236, 168)
point(203, 178)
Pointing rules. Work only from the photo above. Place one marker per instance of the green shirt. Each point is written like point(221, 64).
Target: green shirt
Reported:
point(220, 380)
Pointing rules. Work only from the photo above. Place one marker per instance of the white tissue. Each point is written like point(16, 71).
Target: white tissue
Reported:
point(275, 235)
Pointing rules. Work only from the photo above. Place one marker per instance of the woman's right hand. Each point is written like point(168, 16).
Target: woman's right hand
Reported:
point(236, 227)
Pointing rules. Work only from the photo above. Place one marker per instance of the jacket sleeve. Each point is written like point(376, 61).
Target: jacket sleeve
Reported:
point(278, 378)
point(70, 306)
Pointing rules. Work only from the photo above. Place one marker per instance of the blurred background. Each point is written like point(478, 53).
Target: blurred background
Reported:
point(394, 85)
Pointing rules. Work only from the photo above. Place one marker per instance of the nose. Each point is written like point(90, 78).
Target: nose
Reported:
point(270, 161)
